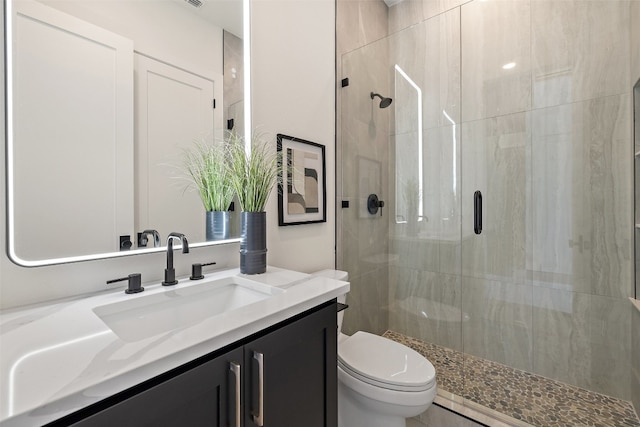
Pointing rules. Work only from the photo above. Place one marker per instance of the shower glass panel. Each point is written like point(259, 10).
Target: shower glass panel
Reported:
point(366, 150)
point(405, 264)
point(425, 297)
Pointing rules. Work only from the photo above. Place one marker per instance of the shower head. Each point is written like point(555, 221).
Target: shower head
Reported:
point(384, 102)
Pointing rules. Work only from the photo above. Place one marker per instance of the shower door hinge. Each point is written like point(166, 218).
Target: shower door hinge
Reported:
point(345, 82)
point(214, 103)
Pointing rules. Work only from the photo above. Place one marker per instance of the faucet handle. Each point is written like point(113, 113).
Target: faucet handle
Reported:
point(196, 270)
point(135, 283)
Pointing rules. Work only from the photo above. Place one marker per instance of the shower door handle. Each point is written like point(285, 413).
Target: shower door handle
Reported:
point(477, 212)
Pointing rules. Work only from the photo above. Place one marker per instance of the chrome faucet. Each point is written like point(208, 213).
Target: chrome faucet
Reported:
point(170, 272)
point(154, 234)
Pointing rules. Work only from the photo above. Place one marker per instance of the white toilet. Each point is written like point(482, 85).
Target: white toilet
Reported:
point(381, 383)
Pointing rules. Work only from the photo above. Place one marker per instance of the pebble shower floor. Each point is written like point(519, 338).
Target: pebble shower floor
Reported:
point(527, 397)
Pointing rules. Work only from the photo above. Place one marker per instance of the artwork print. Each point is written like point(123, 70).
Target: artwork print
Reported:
point(301, 199)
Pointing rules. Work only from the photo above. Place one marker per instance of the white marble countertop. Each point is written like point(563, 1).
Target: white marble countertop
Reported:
point(58, 358)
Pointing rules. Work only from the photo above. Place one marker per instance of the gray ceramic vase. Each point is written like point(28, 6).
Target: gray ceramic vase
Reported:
point(253, 243)
point(217, 225)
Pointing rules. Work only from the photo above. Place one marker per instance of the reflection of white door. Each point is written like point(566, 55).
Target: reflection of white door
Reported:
point(173, 108)
point(73, 135)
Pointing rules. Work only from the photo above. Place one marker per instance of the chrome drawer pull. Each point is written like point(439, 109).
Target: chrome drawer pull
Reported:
point(235, 368)
point(259, 418)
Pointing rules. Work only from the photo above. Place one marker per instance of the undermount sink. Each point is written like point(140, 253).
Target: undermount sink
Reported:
point(149, 315)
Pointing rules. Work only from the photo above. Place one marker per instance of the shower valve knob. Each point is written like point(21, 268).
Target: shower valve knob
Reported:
point(373, 204)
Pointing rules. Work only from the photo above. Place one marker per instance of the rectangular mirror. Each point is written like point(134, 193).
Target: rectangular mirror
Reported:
point(103, 99)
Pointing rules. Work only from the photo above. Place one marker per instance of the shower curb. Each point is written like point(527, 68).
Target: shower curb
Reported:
point(477, 412)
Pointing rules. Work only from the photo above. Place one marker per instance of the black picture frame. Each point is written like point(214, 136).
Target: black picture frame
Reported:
point(302, 193)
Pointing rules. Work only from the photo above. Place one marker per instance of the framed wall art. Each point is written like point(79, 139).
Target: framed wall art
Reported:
point(302, 193)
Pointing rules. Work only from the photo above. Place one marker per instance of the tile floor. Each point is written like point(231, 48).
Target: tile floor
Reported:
point(522, 396)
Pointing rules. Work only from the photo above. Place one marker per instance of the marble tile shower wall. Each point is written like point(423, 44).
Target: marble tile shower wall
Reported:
point(364, 152)
point(544, 288)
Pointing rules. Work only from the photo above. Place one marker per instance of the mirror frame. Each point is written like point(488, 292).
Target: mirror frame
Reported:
point(9, 190)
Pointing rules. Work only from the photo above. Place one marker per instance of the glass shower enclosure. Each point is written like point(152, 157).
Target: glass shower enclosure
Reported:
point(539, 123)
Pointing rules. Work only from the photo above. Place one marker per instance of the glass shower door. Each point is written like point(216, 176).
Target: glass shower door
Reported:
point(497, 290)
point(425, 297)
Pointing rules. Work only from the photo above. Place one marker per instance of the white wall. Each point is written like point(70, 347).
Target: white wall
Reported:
point(293, 93)
point(293, 84)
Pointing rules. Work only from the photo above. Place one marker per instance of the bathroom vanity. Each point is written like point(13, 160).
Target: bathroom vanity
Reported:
point(231, 350)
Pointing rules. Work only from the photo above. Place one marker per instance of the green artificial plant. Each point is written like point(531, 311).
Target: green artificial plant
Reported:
point(254, 174)
point(207, 165)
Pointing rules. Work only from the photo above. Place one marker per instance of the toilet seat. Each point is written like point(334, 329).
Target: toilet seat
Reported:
point(384, 363)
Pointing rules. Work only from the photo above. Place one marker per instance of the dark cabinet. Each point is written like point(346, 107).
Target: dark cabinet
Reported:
point(202, 396)
point(284, 376)
point(292, 377)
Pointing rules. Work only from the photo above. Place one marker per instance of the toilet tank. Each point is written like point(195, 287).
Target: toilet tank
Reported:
point(337, 275)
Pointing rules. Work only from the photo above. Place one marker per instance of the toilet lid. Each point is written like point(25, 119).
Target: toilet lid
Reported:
point(385, 363)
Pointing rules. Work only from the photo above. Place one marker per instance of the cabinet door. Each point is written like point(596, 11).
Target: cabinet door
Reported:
point(203, 396)
point(299, 374)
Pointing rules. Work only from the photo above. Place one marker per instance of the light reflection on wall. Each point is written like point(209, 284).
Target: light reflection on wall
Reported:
point(453, 150)
point(400, 171)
